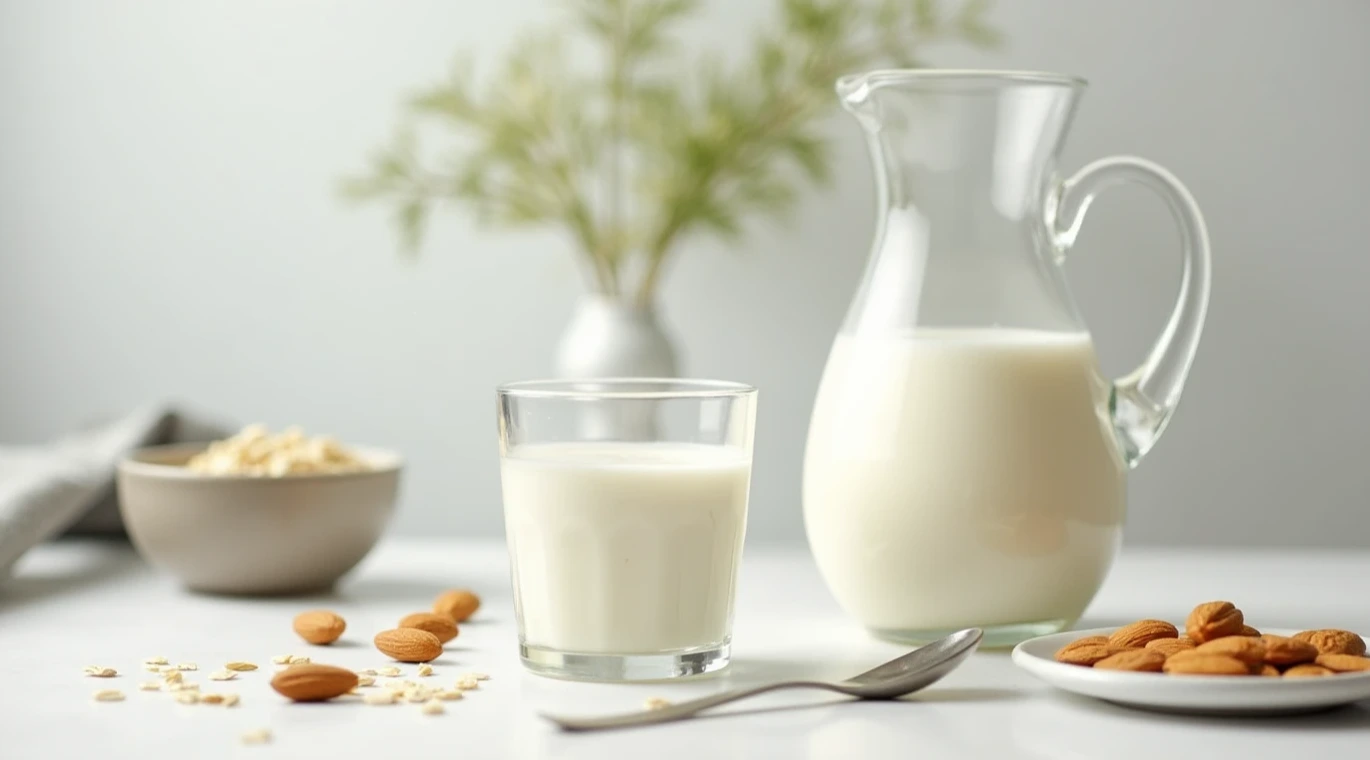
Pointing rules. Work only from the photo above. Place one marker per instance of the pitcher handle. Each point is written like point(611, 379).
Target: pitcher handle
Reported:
point(1142, 402)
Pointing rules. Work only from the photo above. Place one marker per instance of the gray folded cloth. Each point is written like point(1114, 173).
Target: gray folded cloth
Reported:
point(68, 485)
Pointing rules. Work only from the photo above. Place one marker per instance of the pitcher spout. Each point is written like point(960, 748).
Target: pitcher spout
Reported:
point(856, 94)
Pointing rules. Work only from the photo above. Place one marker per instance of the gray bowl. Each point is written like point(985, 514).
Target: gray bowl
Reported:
point(235, 534)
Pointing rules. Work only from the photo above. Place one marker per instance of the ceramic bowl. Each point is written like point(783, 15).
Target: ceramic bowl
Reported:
point(235, 534)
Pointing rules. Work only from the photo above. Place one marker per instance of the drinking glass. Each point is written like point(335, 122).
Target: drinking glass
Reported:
point(625, 507)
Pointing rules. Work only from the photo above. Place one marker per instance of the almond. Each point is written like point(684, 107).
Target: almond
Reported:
point(1333, 641)
point(1197, 663)
point(1307, 671)
point(409, 644)
point(1086, 651)
point(1249, 631)
point(1269, 670)
point(1168, 647)
point(319, 626)
point(441, 626)
point(1138, 660)
point(1344, 663)
point(1140, 633)
point(1245, 648)
point(1283, 650)
point(458, 604)
point(1213, 620)
point(313, 683)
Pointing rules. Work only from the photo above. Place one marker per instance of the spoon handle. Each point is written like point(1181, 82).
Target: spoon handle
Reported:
point(682, 710)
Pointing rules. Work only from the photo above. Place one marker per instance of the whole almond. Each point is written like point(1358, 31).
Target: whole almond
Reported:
point(1168, 647)
point(1344, 663)
point(458, 604)
point(1200, 664)
point(1269, 670)
point(1333, 641)
point(1086, 651)
point(1140, 633)
point(409, 644)
point(1249, 631)
point(1213, 620)
point(1138, 660)
point(441, 626)
point(1283, 650)
point(1248, 649)
point(1307, 671)
point(320, 626)
point(1087, 640)
point(313, 683)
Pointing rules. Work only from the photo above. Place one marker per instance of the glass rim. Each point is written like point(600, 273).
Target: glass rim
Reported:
point(603, 388)
point(1000, 77)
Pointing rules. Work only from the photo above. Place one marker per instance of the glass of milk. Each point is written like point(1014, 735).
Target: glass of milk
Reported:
point(625, 506)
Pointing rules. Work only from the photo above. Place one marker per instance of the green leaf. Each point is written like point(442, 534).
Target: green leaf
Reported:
point(811, 154)
point(927, 18)
point(410, 218)
point(718, 219)
point(889, 14)
point(599, 17)
point(973, 28)
point(360, 188)
point(770, 63)
point(765, 194)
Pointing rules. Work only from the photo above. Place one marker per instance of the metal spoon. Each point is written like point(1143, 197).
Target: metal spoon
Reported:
point(903, 675)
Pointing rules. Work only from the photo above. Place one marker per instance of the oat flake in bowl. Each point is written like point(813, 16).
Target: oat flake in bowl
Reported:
point(255, 450)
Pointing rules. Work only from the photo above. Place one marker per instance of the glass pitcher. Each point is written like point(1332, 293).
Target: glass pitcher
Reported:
point(966, 462)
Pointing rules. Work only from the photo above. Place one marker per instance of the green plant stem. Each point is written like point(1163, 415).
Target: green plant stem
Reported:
point(618, 86)
point(783, 114)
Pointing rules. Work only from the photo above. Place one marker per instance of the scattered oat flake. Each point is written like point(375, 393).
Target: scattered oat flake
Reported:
point(477, 676)
point(656, 703)
point(150, 686)
point(96, 671)
point(388, 672)
point(230, 700)
point(298, 660)
point(158, 660)
point(109, 695)
point(188, 697)
point(366, 681)
point(222, 675)
point(379, 698)
point(448, 695)
point(259, 736)
point(467, 684)
point(187, 666)
point(425, 669)
point(366, 672)
point(173, 676)
point(153, 668)
point(241, 667)
point(433, 707)
point(281, 659)
point(212, 699)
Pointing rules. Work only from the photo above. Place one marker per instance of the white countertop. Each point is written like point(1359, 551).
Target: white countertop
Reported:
point(77, 604)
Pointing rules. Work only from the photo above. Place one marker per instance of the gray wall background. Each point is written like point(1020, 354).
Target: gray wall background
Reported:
point(168, 232)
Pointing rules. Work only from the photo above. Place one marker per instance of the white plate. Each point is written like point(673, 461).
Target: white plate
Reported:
point(1209, 695)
